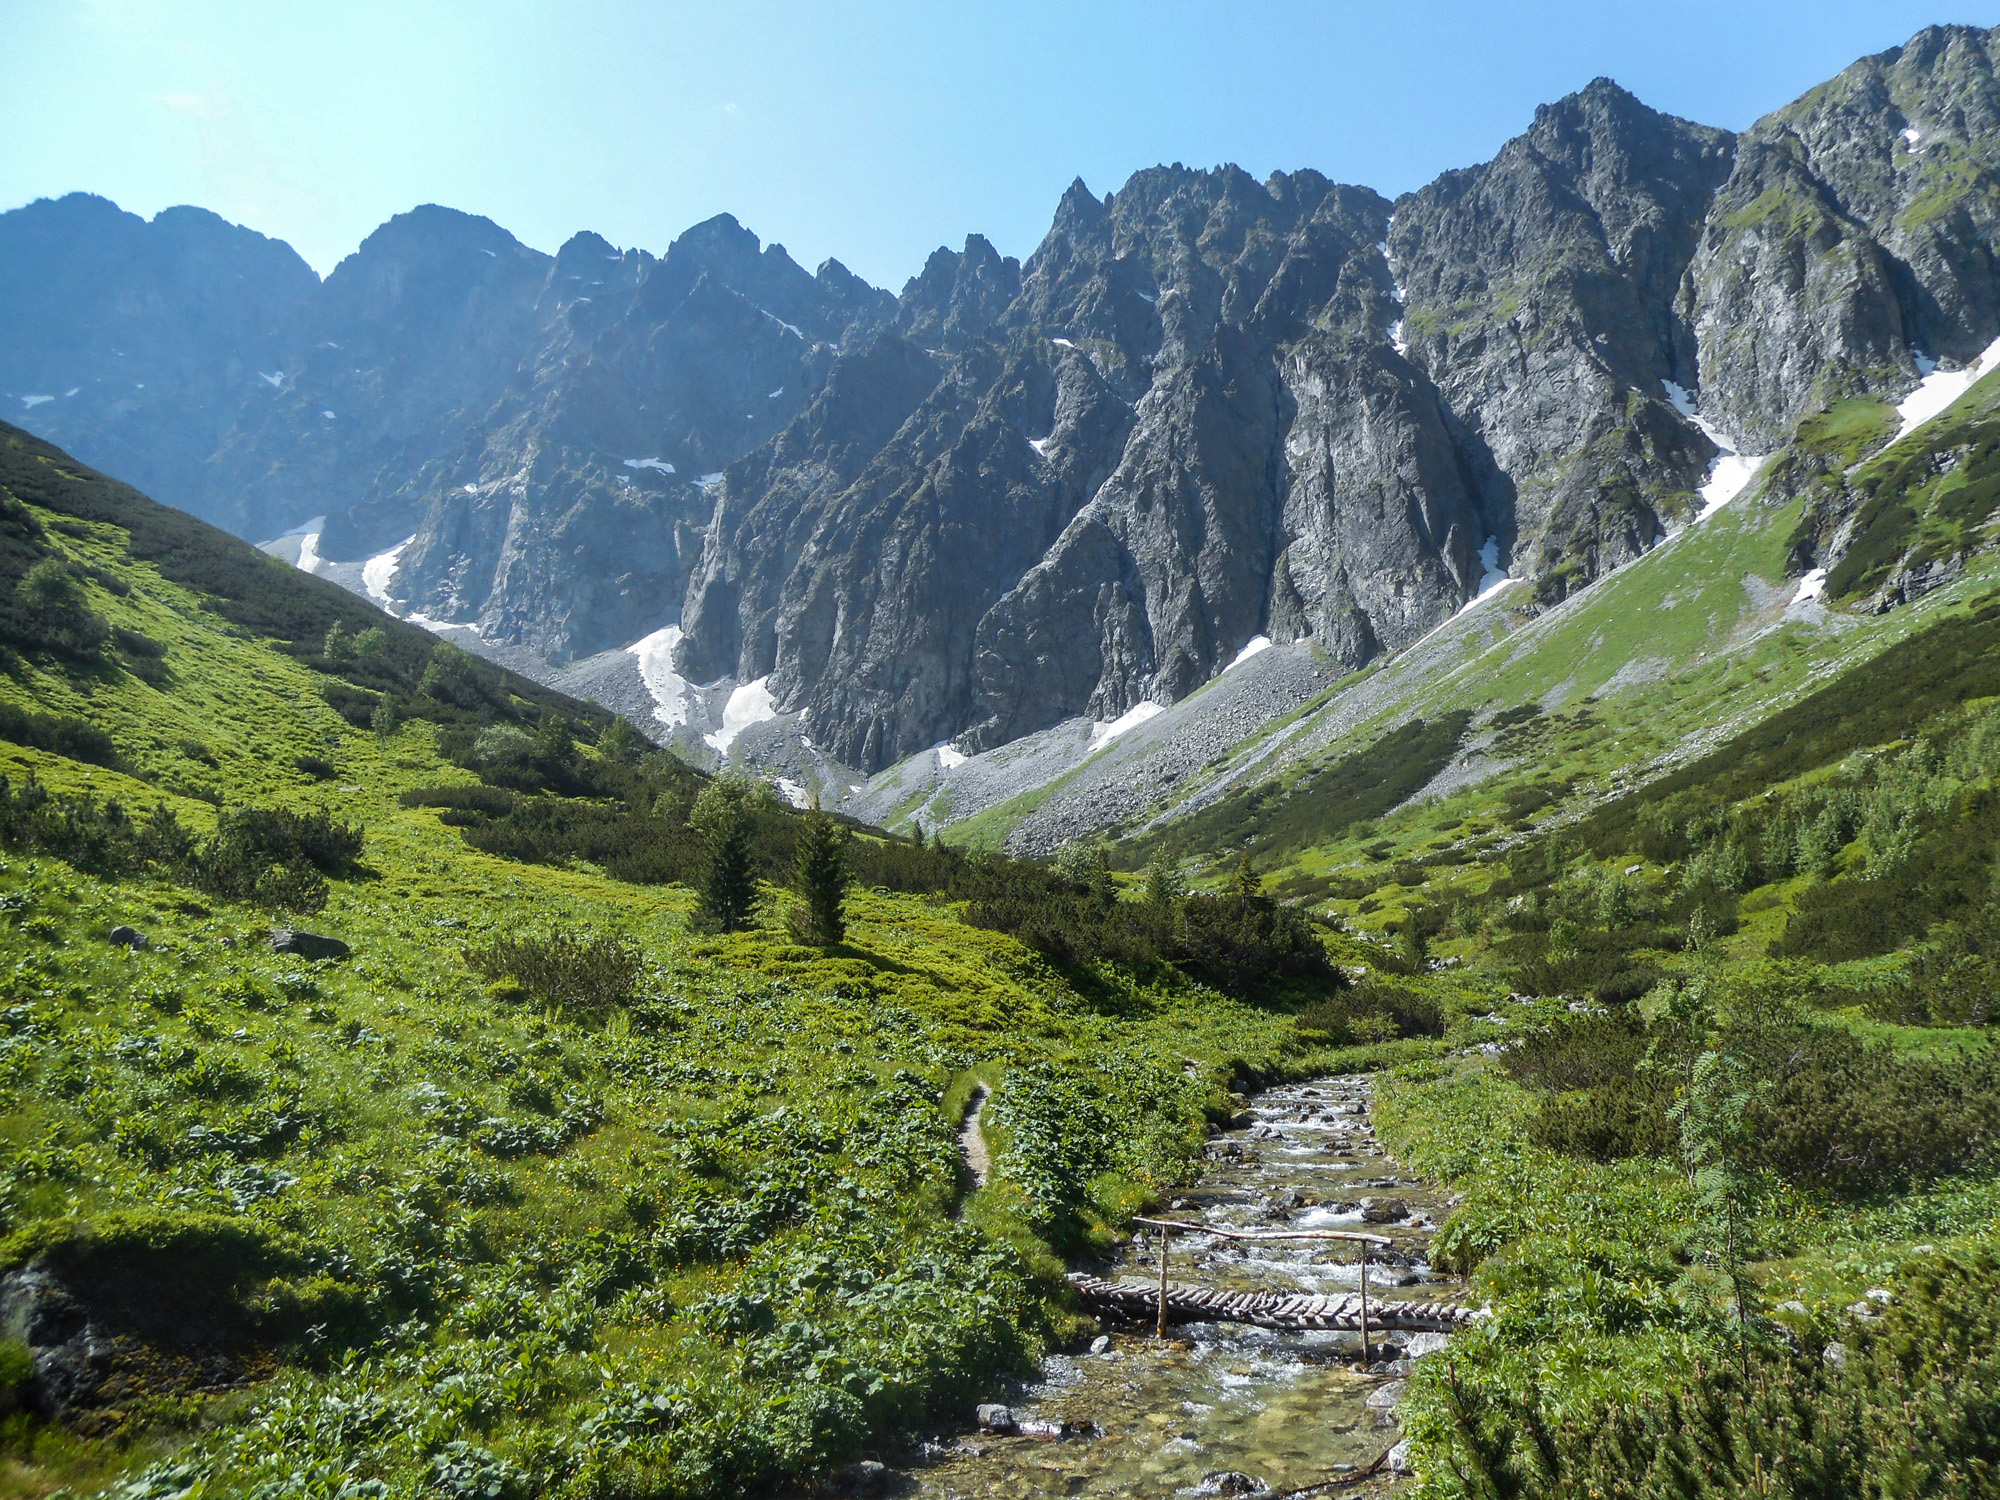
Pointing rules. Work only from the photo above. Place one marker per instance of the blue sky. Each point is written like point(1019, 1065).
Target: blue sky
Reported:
point(869, 131)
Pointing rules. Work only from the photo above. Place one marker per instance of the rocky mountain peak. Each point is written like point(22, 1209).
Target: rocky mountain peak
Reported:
point(957, 297)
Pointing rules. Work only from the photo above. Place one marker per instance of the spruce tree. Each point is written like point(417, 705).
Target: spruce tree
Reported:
point(721, 817)
point(1245, 884)
point(1164, 887)
point(820, 875)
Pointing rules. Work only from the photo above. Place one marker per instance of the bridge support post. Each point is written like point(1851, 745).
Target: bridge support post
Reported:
point(1160, 1329)
point(1365, 1360)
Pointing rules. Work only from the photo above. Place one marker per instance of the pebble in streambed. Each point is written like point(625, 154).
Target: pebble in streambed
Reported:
point(1224, 1408)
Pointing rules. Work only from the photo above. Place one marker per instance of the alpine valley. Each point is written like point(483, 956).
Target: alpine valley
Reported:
point(616, 864)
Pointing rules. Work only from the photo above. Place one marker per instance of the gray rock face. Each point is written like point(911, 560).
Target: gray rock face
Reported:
point(533, 427)
point(1183, 430)
point(1538, 292)
point(130, 342)
point(1855, 233)
point(1206, 409)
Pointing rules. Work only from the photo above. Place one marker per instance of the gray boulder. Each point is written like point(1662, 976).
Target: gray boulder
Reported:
point(306, 945)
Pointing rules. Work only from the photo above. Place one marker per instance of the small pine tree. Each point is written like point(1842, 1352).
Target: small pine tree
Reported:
point(1614, 903)
point(820, 874)
point(339, 645)
point(916, 835)
point(621, 742)
point(721, 817)
point(555, 742)
point(1088, 867)
point(1165, 889)
point(1245, 884)
point(384, 721)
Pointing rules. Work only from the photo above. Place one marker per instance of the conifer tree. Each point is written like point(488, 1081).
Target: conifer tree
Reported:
point(721, 817)
point(1245, 884)
point(1165, 889)
point(820, 875)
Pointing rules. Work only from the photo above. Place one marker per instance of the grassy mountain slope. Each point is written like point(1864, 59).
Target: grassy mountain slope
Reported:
point(692, 1221)
point(546, 1190)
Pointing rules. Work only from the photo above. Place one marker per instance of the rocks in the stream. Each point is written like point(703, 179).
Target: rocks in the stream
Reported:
point(993, 1417)
point(1384, 1210)
point(1231, 1482)
point(1387, 1397)
point(1398, 1461)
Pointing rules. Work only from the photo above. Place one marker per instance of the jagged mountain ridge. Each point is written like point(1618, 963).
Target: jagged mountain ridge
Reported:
point(1206, 410)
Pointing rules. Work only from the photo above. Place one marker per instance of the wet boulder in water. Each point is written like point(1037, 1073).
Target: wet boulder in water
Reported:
point(993, 1417)
point(1384, 1210)
point(1231, 1482)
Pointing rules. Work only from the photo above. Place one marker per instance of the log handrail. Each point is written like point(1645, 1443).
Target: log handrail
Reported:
point(1160, 1326)
point(1265, 1234)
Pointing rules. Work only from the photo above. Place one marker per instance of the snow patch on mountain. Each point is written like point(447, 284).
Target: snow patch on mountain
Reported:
point(380, 570)
point(1103, 733)
point(1938, 389)
point(1730, 473)
point(1251, 647)
point(750, 704)
point(655, 655)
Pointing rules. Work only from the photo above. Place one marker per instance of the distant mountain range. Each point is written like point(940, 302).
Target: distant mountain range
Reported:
point(838, 528)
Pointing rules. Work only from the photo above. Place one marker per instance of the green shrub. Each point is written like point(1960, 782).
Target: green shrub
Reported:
point(62, 734)
point(1911, 1413)
point(579, 974)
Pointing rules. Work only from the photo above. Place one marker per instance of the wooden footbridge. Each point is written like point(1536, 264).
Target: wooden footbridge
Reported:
point(1139, 1303)
point(1170, 1302)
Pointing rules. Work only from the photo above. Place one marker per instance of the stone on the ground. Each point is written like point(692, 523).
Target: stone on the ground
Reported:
point(1834, 1356)
point(993, 1417)
point(128, 937)
point(1399, 1458)
point(1101, 1343)
point(307, 945)
point(1384, 1398)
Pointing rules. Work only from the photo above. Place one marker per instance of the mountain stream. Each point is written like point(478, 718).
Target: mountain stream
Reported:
point(1226, 1408)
